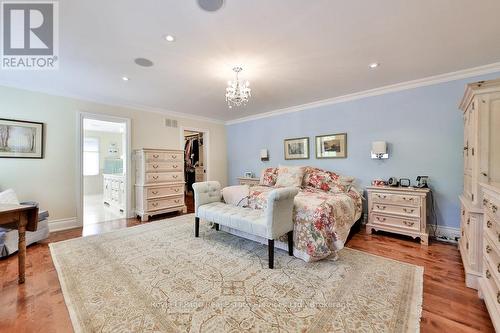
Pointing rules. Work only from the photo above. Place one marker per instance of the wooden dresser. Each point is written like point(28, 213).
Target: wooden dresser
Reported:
point(159, 176)
point(248, 181)
point(489, 283)
point(481, 115)
point(401, 210)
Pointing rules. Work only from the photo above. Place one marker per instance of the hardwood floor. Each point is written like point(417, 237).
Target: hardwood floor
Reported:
point(38, 305)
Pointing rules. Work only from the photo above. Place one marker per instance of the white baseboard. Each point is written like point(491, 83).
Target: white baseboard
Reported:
point(63, 224)
point(445, 233)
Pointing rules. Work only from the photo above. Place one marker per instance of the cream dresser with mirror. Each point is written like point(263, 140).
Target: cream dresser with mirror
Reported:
point(159, 182)
point(481, 115)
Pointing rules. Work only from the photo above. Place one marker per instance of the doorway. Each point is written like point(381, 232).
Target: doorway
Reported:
point(195, 146)
point(104, 151)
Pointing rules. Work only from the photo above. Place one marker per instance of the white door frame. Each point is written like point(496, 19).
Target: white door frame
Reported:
point(206, 146)
point(79, 152)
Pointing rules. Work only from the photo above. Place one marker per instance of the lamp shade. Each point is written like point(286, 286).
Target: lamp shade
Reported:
point(264, 156)
point(379, 147)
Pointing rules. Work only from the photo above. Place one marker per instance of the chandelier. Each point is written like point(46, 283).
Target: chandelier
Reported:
point(237, 93)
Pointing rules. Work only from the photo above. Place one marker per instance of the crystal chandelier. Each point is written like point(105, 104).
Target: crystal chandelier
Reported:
point(237, 93)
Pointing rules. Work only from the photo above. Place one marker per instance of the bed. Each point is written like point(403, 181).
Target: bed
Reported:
point(325, 209)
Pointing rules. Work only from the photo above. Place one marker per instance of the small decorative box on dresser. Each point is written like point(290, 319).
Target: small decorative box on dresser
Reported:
point(159, 177)
point(481, 114)
point(489, 283)
point(248, 181)
point(401, 210)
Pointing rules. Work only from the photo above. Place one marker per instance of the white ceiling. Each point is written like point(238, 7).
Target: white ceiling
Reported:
point(292, 51)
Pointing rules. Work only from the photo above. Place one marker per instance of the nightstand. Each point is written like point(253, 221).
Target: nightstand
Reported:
point(248, 181)
point(401, 210)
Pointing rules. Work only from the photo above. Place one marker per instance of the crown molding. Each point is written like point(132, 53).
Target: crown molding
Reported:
point(115, 103)
point(427, 81)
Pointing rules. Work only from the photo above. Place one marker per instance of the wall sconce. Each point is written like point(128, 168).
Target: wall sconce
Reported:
point(264, 155)
point(379, 150)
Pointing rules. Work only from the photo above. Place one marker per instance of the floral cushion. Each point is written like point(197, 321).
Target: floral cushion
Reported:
point(327, 181)
point(268, 177)
point(290, 176)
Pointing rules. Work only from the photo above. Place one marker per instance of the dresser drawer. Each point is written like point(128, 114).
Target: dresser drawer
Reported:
point(164, 203)
point(400, 222)
point(491, 206)
point(404, 199)
point(491, 254)
point(164, 177)
point(158, 192)
point(492, 283)
point(164, 157)
point(411, 211)
point(164, 166)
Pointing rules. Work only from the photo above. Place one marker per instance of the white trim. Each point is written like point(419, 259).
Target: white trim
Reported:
point(79, 157)
point(114, 103)
point(63, 224)
point(449, 233)
point(452, 76)
point(206, 145)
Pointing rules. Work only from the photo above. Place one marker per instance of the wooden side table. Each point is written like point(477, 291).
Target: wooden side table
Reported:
point(248, 181)
point(22, 218)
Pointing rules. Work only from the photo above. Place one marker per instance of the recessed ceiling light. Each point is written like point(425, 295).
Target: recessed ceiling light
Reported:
point(125, 78)
point(169, 38)
point(373, 65)
point(210, 5)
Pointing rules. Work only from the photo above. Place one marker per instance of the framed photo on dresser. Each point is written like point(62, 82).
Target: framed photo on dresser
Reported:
point(296, 149)
point(331, 146)
point(21, 139)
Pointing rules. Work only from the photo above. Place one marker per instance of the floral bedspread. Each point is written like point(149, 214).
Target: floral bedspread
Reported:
point(322, 220)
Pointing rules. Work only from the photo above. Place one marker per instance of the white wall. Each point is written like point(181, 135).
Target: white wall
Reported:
point(52, 180)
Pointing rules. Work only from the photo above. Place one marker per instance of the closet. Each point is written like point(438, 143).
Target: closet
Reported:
point(194, 159)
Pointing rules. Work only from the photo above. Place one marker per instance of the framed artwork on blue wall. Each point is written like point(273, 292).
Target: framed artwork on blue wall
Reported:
point(297, 149)
point(331, 146)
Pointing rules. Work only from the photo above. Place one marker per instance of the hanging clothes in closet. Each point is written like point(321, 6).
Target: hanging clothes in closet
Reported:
point(191, 159)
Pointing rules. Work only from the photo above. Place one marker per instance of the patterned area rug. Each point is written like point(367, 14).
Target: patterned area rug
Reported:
point(158, 277)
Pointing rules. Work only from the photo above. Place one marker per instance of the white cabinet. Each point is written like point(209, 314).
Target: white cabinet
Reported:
point(481, 113)
point(114, 190)
point(159, 188)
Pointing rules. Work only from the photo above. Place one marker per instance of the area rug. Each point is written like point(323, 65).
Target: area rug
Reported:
point(158, 277)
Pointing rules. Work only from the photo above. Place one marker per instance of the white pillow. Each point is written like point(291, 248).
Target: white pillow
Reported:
point(290, 176)
point(236, 195)
point(9, 197)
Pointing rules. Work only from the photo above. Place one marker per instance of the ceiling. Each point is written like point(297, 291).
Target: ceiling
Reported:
point(103, 126)
point(292, 51)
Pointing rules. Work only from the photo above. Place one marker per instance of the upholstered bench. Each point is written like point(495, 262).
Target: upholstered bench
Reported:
point(270, 223)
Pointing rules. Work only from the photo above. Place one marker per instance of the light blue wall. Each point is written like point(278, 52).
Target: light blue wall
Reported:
point(422, 126)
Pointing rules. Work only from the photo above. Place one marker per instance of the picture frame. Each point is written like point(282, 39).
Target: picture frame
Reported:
point(331, 146)
point(21, 139)
point(296, 148)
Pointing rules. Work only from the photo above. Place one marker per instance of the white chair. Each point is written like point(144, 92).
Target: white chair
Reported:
point(272, 222)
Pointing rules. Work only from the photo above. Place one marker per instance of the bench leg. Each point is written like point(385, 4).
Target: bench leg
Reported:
point(196, 227)
point(270, 244)
point(216, 226)
point(290, 243)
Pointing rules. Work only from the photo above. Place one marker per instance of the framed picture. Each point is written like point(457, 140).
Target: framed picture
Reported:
point(21, 139)
point(331, 146)
point(297, 149)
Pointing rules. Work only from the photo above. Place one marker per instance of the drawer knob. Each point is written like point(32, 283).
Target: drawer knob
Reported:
point(467, 245)
point(485, 202)
point(175, 176)
point(407, 199)
point(408, 210)
point(498, 268)
point(155, 166)
point(156, 155)
point(463, 212)
point(494, 208)
point(177, 201)
point(488, 249)
point(409, 223)
point(154, 192)
point(174, 156)
point(155, 177)
point(175, 166)
point(498, 297)
point(381, 196)
point(488, 274)
point(468, 221)
point(381, 219)
point(381, 207)
point(489, 224)
point(176, 190)
point(155, 204)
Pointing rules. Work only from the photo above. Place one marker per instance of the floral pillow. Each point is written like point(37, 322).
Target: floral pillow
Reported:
point(290, 176)
point(327, 181)
point(268, 177)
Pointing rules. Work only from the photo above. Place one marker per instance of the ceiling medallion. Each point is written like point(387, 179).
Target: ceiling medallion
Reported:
point(237, 93)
